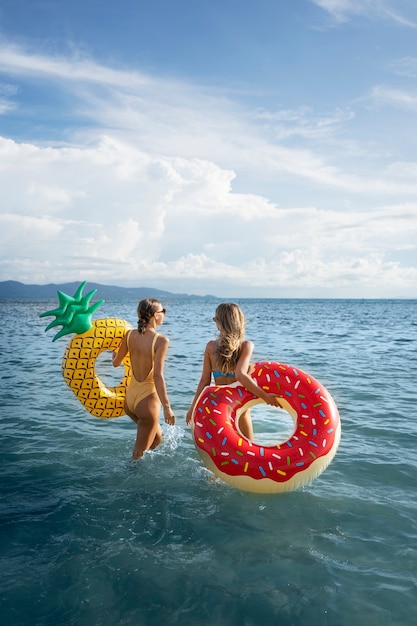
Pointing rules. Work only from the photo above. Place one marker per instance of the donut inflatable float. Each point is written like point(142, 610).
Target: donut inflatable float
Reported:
point(80, 356)
point(275, 468)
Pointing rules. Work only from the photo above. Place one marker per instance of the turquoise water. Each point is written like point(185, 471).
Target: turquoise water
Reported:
point(88, 537)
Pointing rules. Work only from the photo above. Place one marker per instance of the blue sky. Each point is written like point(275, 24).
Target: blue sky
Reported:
point(230, 147)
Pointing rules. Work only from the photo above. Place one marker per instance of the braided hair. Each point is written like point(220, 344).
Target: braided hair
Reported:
point(232, 329)
point(146, 309)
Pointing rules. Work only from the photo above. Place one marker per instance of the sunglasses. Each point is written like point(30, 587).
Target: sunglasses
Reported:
point(161, 311)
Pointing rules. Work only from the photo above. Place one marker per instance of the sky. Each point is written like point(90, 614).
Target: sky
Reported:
point(237, 148)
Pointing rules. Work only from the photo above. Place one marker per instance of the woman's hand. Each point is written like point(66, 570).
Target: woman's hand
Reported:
point(272, 400)
point(189, 416)
point(169, 416)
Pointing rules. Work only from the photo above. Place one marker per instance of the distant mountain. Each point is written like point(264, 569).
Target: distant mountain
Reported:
point(11, 289)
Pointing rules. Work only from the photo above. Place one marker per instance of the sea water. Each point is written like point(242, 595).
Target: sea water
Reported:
point(88, 537)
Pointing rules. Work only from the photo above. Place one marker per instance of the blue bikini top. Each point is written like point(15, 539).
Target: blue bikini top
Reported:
point(217, 374)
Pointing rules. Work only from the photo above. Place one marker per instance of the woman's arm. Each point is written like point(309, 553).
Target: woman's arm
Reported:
point(247, 381)
point(117, 357)
point(161, 349)
point(205, 380)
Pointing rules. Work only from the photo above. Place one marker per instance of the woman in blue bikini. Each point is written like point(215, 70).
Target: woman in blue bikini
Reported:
point(227, 359)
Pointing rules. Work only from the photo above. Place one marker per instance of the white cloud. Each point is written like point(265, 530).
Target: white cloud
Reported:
point(393, 10)
point(406, 66)
point(148, 193)
point(122, 216)
point(15, 61)
point(304, 123)
point(385, 96)
point(176, 119)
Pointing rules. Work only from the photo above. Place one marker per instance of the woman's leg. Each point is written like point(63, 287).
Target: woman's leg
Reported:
point(245, 425)
point(149, 431)
point(130, 414)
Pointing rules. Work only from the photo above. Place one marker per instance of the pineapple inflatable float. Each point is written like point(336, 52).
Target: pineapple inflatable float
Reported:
point(92, 338)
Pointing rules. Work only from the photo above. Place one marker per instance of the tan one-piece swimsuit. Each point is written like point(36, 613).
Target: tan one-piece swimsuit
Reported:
point(138, 390)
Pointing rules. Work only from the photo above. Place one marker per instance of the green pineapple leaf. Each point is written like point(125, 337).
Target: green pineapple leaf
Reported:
point(74, 313)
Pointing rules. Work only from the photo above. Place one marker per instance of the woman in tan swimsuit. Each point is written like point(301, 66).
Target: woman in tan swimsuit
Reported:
point(146, 390)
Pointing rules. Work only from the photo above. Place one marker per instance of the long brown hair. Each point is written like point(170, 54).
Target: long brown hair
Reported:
point(146, 309)
point(231, 323)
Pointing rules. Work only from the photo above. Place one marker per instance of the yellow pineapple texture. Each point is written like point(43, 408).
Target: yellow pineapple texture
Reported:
point(78, 368)
point(74, 314)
